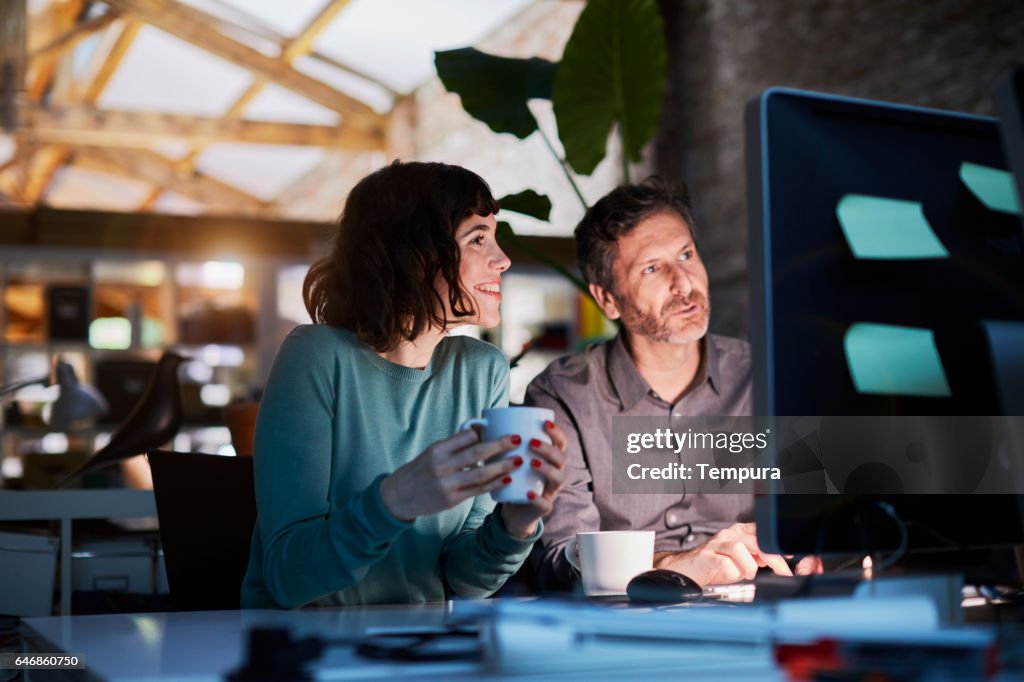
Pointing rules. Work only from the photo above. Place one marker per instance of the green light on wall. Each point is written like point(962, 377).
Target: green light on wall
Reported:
point(115, 333)
point(152, 333)
point(110, 333)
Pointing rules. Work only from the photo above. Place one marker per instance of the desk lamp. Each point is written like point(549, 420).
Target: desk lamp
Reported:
point(76, 402)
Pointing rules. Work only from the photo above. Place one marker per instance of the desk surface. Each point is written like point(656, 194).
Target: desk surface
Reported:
point(38, 505)
point(207, 645)
point(203, 646)
point(523, 637)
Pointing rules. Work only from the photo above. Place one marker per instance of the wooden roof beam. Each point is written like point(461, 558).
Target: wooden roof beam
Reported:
point(85, 125)
point(147, 166)
point(197, 27)
point(303, 42)
point(39, 175)
point(60, 17)
point(198, 236)
point(12, 61)
point(40, 170)
point(130, 27)
point(75, 35)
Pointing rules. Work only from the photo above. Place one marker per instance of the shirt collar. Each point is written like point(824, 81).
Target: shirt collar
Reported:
point(631, 387)
point(711, 363)
point(625, 377)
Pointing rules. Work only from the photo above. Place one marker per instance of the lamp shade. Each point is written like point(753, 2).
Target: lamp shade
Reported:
point(76, 402)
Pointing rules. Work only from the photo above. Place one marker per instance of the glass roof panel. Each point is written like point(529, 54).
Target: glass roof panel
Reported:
point(387, 44)
point(6, 147)
point(261, 170)
point(172, 149)
point(81, 187)
point(394, 40)
point(284, 18)
point(162, 73)
point(171, 202)
point(362, 89)
point(275, 103)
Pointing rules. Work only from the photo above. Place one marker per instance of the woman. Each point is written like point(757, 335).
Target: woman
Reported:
point(364, 495)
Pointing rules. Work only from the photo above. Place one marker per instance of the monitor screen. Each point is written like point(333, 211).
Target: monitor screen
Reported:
point(887, 279)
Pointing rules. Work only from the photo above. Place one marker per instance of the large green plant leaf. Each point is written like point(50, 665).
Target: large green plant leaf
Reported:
point(528, 203)
point(495, 89)
point(612, 71)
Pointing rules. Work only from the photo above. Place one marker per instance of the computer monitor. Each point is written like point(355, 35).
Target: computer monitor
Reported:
point(887, 278)
point(1009, 101)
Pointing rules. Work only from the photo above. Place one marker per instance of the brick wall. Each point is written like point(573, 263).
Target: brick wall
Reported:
point(938, 53)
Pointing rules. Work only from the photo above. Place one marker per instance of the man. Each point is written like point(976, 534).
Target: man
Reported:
point(638, 253)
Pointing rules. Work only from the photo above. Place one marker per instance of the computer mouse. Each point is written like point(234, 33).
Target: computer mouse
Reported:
point(662, 586)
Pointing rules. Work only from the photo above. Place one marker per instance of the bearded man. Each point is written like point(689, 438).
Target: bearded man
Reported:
point(637, 250)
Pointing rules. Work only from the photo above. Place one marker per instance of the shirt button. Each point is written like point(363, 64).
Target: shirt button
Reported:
point(690, 538)
point(674, 519)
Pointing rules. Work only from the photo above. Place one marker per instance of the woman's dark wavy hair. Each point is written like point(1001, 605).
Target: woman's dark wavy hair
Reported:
point(395, 237)
point(616, 215)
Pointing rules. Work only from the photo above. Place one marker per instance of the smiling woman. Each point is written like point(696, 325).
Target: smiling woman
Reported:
point(480, 268)
point(363, 493)
point(399, 231)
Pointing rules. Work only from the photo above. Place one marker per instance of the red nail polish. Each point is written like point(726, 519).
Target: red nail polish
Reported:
point(534, 443)
point(535, 463)
point(516, 440)
point(506, 480)
point(531, 495)
point(517, 460)
point(549, 424)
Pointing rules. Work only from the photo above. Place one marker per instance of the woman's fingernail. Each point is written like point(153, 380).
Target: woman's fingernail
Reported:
point(534, 443)
point(535, 463)
point(516, 440)
point(531, 495)
point(517, 460)
point(549, 424)
point(506, 480)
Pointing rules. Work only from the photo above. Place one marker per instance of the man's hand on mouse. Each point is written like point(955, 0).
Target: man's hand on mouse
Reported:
point(730, 555)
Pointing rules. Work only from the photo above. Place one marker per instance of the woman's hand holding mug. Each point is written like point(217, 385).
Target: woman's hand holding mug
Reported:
point(534, 486)
point(524, 476)
point(549, 462)
point(448, 472)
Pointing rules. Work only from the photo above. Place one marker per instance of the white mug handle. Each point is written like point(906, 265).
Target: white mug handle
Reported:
point(572, 553)
point(469, 423)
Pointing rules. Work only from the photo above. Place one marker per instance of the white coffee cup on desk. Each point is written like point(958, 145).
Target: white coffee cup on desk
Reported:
point(527, 423)
point(607, 560)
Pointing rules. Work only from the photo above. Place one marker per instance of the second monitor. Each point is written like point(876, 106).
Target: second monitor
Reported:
point(887, 278)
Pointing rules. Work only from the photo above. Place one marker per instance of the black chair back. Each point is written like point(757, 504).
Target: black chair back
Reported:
point(207, 510)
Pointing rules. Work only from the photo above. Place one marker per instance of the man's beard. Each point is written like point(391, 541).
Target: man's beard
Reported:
point(657, 328)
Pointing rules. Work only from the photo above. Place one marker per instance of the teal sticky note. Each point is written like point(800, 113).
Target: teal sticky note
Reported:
point(994, 187)
point(879, 228)
point(895, 360)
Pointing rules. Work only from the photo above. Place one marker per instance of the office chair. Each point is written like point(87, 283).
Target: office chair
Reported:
point(207, 509)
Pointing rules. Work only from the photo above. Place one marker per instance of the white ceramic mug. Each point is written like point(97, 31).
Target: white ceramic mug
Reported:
point(607, 560)
point(527, 423)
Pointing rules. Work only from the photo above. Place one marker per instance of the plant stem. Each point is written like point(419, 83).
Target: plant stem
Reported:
point(546, 260)
point(564, 165)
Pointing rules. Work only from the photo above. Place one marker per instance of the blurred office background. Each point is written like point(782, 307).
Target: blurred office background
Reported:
point(170, 173)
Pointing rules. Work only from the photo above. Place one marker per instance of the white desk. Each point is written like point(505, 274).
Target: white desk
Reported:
point(205, 646)
point(524, 639)
point(68, 505)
